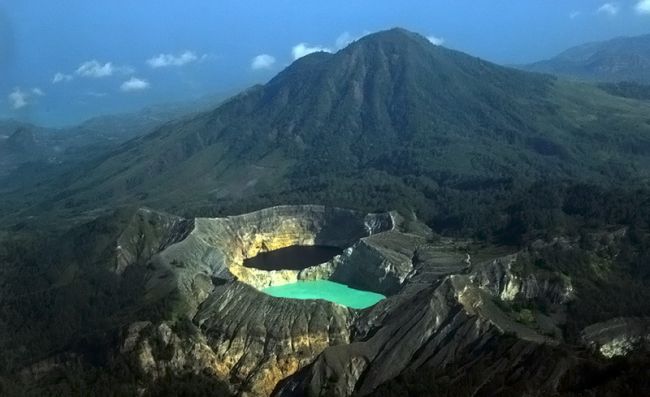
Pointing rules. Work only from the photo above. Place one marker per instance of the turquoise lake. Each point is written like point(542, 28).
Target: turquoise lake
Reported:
point(326, 290)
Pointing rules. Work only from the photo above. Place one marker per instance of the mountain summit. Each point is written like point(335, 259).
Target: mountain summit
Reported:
point(389, 106)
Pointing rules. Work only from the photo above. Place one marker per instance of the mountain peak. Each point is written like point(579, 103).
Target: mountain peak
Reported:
point(394, 36)
point(398, 37)
point(396, 33)
point(395, 46)
point(390, 102)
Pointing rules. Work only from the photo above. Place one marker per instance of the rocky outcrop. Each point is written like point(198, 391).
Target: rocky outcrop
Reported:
point(379, 263)
point(501, 279)
point(619, 336)
point(159, 350)
point(440, 305)
point(246, 337)
point(148, 233)
point(444, 309)
point(241, 335)
point(260, 340)
point(435, 319)
point(407, 330)
point(216, 247)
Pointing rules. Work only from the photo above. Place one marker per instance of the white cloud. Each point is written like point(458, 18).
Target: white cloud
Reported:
point(95, 69)
point(134, 84)
point(59, 77)
point(262, 61)
point(436, 40)
point(18, 98)
point(609, 9)
point(344, 39)
point(643, 7)
point(302, 49)
point(574, 14)
point(165, 60)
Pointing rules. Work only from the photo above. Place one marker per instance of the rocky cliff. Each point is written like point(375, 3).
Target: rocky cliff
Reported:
point(619, 336)
point(457, 317)
point(439, 304)
point(445, 310)
point(245, 336)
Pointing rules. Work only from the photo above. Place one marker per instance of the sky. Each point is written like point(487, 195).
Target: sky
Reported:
point(63, 61)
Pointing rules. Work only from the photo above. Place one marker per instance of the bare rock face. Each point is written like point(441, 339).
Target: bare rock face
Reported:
point(499, 278)
point(157, 350)
point(444, 311)
point(439, 306)
point(379, 263)
point(619, 336)
point(435, 319)
point(216, 247)
point(244, 336)
point(260, 340)
point(421, 322)
point(449, 313)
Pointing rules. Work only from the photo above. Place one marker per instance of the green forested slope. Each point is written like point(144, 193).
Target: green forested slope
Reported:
point(391, 116)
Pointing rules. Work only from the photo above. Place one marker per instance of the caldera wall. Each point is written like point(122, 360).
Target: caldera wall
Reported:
point(216, 247)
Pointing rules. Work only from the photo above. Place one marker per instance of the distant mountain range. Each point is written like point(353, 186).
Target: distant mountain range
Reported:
point(619, 59)
point(22, 143)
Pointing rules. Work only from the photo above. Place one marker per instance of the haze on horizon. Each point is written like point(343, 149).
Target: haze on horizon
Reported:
point(65, 61)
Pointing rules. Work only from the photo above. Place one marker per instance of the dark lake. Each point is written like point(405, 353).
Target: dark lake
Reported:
point(296, 257)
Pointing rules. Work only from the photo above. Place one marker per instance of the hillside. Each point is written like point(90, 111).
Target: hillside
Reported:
point(56, 145)
point(619, 59)
point(391, 115)
point(19, 144)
